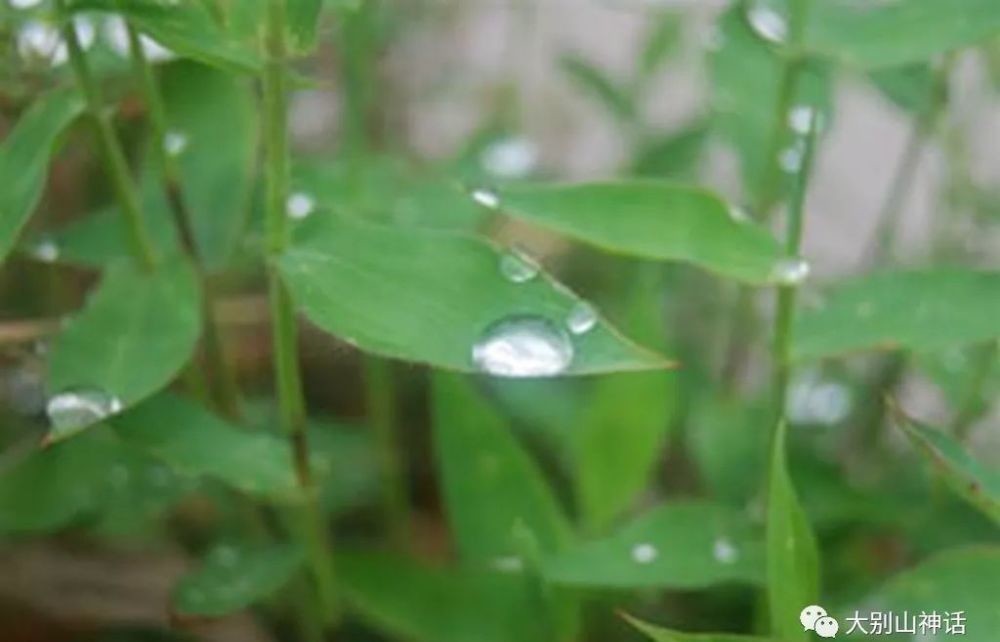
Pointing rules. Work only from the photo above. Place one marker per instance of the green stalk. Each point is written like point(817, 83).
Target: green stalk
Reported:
point(380, 400)
point(743, 323)
point(111, 150)
point(291, 398)
point(220, 374)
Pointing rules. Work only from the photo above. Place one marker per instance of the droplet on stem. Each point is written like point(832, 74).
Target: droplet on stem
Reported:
point(523, 346)
point(790, 271)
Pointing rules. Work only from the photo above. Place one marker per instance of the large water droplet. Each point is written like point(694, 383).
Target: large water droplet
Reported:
point(517, 267)
point(644, 553)
point(582, 318)
point(300, 205)
point(37, 41)
point(73, 410)
point(723, 551)
point(486, 198)
point(767, 21)
point(523, 346)
point(510, 158)
point(792, 271)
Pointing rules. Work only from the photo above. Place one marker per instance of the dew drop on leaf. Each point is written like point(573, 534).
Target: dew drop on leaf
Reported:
point(738, 215)
point(486, 198)
point(582, 318)
point(644, 553)
point(801, 119)
point(300, 205)
point(792, 271)
point(518, 267)
point(72, 410)
point(723, 551)
point(523, 346)
point(45, 250)
point(175, 142)
point(790, 159)
point(767, 21)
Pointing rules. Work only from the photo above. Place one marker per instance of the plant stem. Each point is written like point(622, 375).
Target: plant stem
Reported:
point(291, 398)
point(220, 374)
point(110, 148)
point(380, 398)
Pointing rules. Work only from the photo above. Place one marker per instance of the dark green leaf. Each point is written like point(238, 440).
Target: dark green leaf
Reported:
point(186, 28)
point(969, 479)
point(659, 634)
point(792, 552)
point(909, 87)
point(195, 443)
point(599, 86)
point(432, 297)
point(135, 334)
point(653, 220)
point(426, 604)
point(922, 311)
point(964, 581)
point(680, 545)
point(24, 160)
point(303, 18)
point(675, 155)
point(482, 465)
point(217, 163)
point(233, 578)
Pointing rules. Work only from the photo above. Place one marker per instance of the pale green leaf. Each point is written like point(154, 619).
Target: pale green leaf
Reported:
point(430, 297)
point(481, 465)
point(652, 220)
point(233, 578)
point(922, 311)
point(686, 545)
point(24, 160)
point(596, 83)
point(792, 551)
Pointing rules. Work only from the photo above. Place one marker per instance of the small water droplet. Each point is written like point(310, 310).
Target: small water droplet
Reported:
point(767, 21)
point(509, 564)
point(790, 159)
point(73, 410)
point(300, 205)
point(487, 198)
point(738, 214)
point(801, 119)
point(644, 553)
point(792, 271)
point(175, 142)
point(523, 346)
point(24, 4)
point(517, 267)
point(813, 400)
point(45, 250)
point(510, 158)
point(582, 318)
point(723, 551)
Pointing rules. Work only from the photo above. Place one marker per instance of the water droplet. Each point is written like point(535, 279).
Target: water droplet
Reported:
point(767, 22)
point(510, 158)
point(175, 142)
point(24, 4)
point(792, 271)
point(37, 41)
point(517, 267)
point(509, 564)
point(46, 251)
point(116, 35)
point(300, 205)
point(486, 198)
point(523, 346)
point(813, 400)
point(723, 551)
point(644, 553)
point(73, 410)
point(738, 214)
point(582, 318)
point(801, 119)
point(790, 159)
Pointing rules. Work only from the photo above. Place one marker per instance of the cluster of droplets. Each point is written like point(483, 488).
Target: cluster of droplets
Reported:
point(72, 410)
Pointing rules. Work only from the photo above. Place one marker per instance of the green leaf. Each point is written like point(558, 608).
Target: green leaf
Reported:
point(482, 464)
point(674, 155)
point(134, 335)
point(965, 580)
point(216, 165)
point(909, 87)
point(730, 450)
point(898, 33)
point(186, 28)
point(681, 545)
point(24, 160)
point(431, 297)
point(599, 86)
point(792, 551)
point(746, 85)
point(659, 634)
point(652, 220)
point(233, 578)
point(413, 601)
point(923, 311)
point(662, 40)
point(195, 443)
point(303, 19)
point(969, 479)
